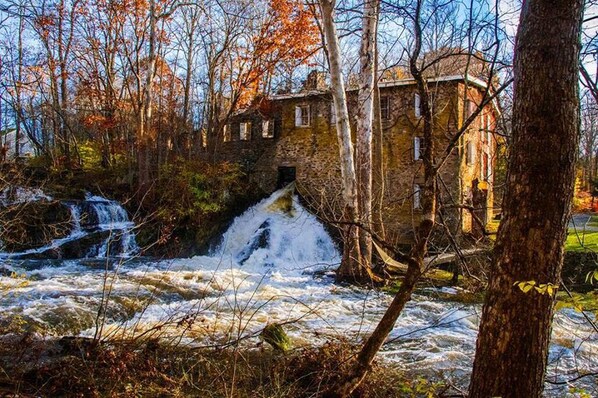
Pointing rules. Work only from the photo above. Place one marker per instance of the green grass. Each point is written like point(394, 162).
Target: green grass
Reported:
point(581, 241)
point(593, 221)
point(577, 239)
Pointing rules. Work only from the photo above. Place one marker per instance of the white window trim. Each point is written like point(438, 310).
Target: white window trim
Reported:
point(226, 136)
point(470, 153)
point(417, 105)
point(417, 155)
point(245, 131)
point(299, 115)
point(266, 131)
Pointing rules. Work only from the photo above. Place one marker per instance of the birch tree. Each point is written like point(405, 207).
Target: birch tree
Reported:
point(352, 265)
point(365, 124)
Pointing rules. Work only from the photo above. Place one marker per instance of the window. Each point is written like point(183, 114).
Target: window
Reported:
point(470, 153)
point(302, 118)
point(385, 108)
point(245, 131)
point(416, 196)
point(267, 129)
point(418, 148)
point(417, 105)
point(226, 136)
point(286, 175)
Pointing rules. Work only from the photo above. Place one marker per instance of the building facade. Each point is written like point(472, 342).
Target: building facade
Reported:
point(292, 137)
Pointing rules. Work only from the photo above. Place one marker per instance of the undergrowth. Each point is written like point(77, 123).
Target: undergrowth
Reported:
point(76, 367)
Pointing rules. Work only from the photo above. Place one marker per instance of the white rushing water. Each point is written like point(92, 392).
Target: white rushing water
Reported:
point(274, 265)
point(95, 219)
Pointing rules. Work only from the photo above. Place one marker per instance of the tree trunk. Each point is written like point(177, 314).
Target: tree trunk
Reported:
point(512, 345)
point(351, 268)
point(377, 162)
point(145, 138)
point(365, 99)
point(415, 259)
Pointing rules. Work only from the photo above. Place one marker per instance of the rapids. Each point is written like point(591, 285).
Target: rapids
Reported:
point(274, 264)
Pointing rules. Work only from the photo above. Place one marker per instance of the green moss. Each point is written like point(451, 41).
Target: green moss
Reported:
point(284, 203)
point(464, 297)
point(275, 335)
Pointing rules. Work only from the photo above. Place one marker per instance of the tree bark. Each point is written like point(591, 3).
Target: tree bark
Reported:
point(512, 345)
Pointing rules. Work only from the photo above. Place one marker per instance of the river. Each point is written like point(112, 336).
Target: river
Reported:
point(274, 265)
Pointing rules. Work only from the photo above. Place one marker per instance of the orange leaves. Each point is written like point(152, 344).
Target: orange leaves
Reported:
point(287, 35)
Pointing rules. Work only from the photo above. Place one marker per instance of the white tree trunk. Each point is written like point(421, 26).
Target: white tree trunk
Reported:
point(350, 268)
point(365, 99)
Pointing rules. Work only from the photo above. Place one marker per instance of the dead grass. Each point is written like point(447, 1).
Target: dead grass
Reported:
point(76, 367)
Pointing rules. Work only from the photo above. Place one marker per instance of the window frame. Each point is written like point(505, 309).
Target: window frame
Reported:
point(419, 147)
point(416, 197)
point(470, 153)
point(245, 131)
point(267, 128)
point(385, 107)
point(300, 117)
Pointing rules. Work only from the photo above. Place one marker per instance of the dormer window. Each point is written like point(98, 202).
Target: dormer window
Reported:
point(302, 116)
point(245, 131)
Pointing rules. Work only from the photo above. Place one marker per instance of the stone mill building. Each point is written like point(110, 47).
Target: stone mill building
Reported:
point(292, 137)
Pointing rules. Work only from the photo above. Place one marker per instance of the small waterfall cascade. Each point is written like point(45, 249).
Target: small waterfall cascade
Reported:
point(110, 220)
point(280, 233)
point(99, 228)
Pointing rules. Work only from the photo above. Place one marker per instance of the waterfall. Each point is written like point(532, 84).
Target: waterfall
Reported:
point(279, 233)
point(100, 228)
point(108, 215)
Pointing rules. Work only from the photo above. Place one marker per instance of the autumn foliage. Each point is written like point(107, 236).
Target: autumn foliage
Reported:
point(288, 36)
point(144, 80)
